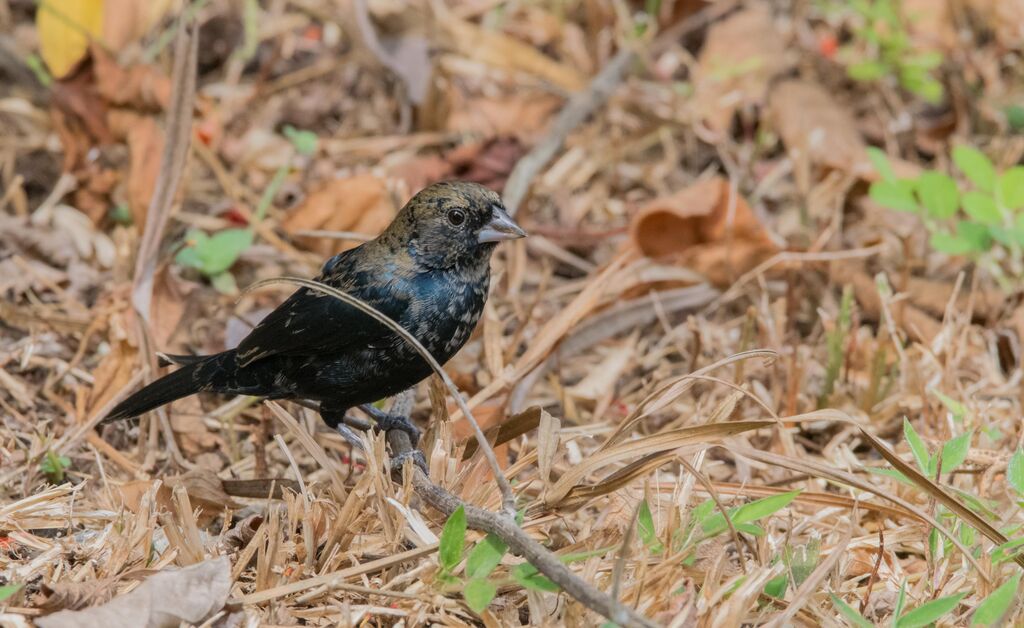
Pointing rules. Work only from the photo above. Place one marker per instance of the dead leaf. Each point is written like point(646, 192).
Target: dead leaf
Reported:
point(522, 116)
point(487, 163)
point(193, 435)
point(814, 126)
point(361, 204)
point(141, 87)
point(705, 227)
point(1004, 17)
point(164, 600)
point(145, 146)
point(65, 27)
point(503, 51)
point(169, 301)
point(740, 57)
point(113, 373)
point(931, 24)
point(59, 596)
point(126, 21)
point(205, 491)
point(407, 55)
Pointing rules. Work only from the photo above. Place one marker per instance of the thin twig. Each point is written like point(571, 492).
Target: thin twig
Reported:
point(518, 542)
point(579, 108)
point(507, 498)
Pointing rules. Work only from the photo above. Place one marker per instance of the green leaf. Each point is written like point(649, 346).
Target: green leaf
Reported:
point(8, 590)
point(224, 283)
point(991, 610)
point(938, 194)
point(954, 452)
point(891, 473)
point(1010, 188)
point(894, 195)
point(901, 601)
point(219, 252)
point(485, 557)
point(925, 60)
point(929, 612)
point(757, 509)
point(881, 163)
point(849, 612)
point(529, 578)
point(867, 70)
point(188, 256)
point(478, 593)
point(1015, 117)
point(645, 527)
point(917, 446)
point(1015, 472)
point(977, 236)
point(976, 167)
point(453, 538)
point(305, 142)
point(776, 587)
point(982, 207)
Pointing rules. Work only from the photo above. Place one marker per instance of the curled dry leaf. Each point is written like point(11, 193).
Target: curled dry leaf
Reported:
point(407, 54)
point(487, 163)
point(361, 204)
point(164, 600)
point(706, 227)
point(740, 57)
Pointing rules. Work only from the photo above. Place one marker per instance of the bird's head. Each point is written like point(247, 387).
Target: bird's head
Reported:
point(454, 223)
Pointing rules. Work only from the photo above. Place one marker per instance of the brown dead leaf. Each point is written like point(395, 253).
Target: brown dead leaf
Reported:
point(113, 373)
point(815, 127)
point(503, 51)
point(740, 57)
point(169, 301)
point(126, 21)
point(140, 87)
point(522, 116)
point(193, 435)
point(205, 490)
point(360, 203)
point(165, 600)
point(59, 596)
point(487, 163)
point(145, 145)
point(931, 24)
point(1004, 17)
point(704, 227)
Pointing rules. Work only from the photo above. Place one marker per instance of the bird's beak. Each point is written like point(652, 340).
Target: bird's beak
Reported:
point(501, 227)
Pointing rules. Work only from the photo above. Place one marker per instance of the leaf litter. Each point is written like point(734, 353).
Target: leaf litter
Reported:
point(676, 312)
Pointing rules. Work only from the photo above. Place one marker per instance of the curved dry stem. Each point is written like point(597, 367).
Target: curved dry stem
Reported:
point(507, 498)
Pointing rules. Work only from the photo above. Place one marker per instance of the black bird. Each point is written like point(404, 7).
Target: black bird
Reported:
point(429, 271)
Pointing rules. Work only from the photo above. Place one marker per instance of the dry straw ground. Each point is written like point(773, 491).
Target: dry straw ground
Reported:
point(711, 313)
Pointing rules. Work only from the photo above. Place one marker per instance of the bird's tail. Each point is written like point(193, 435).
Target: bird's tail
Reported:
point(191, 378)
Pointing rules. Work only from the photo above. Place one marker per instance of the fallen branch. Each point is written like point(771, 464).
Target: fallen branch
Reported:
point(518, 542)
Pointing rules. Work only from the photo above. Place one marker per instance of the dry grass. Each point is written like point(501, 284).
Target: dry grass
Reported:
point(619, 380)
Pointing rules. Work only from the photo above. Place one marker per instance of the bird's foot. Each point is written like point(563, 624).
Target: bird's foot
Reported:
point(387, 421)
point(398, 462)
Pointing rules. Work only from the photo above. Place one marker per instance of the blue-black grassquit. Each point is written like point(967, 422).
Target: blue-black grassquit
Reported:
point(429, 271)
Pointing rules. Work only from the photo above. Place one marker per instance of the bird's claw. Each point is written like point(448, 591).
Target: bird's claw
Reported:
point(387, 421)
point(398, 462)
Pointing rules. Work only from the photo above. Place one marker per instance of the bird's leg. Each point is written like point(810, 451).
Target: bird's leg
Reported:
point(387, 421)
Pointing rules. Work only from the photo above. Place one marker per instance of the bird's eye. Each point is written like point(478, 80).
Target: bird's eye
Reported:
point(456, 217)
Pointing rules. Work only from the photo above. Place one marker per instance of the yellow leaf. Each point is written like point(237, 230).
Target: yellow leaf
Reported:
point(65, 27)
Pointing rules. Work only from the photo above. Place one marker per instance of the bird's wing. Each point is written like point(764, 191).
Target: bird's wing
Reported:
point(313, 323)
